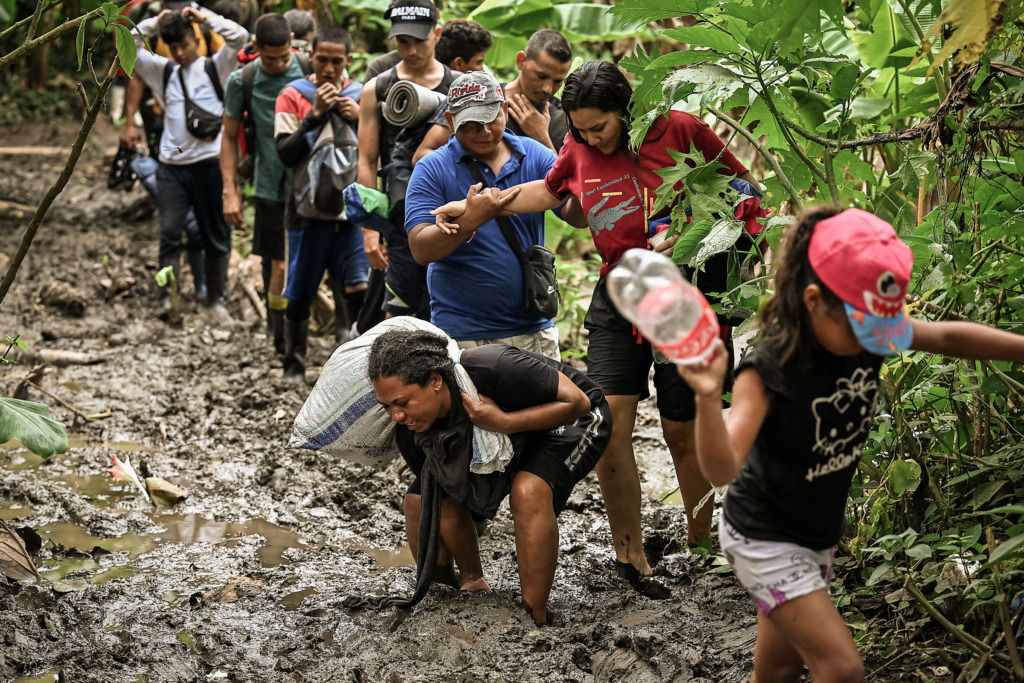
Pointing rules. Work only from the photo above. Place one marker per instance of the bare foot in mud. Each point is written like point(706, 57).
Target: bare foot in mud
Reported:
point(475, 586)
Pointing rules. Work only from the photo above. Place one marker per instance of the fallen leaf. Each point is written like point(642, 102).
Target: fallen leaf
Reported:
point(279, 414)
point(238, 587)
point(15, 562)
point(164, 492)
point(70, 585)
point(123, 471)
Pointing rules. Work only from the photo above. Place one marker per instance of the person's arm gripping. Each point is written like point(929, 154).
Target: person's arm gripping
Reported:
point(969, 341)
point(722, 447)
point(290, 132)
point(569, 405)
point(235, 37)
point(369, 154)
point(531, 197)
point(149, 66)
point(231, 194)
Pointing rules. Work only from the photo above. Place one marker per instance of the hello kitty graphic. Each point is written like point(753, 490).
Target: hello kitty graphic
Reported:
point(842, 421)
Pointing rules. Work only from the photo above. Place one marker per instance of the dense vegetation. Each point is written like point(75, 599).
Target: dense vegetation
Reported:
point(910, 109)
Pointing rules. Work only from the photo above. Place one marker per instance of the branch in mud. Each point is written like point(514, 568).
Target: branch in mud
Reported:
point(62, 180)
point(30, 46)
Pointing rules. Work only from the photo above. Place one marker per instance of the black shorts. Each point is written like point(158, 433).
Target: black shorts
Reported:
point(268, 233)
point(563, 456)
point(619, 359)
point(406, 282)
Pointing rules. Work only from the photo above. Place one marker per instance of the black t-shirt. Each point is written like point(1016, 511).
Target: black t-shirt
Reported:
point(557, 128)
point(795, 482)
point(517, 379)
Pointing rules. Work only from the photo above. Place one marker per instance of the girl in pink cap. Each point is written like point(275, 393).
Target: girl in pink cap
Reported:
point(802, 406)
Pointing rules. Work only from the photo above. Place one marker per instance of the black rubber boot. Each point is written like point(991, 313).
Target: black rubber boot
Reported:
point(342, 316)
point(165, 291)
point(275, 328)
point(217, 283)
point(296, 339)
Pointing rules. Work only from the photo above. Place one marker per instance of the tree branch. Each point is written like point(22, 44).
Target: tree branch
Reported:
point(830, 177)
point(904, 135)
point(30, 45)
point(62, 180)
point(34, 26)
point(768, 156)
point(13, 27)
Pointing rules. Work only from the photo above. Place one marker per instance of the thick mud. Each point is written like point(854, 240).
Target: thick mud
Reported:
point(243, 580)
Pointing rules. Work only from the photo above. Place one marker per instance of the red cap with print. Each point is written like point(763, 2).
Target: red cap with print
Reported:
point(865, 263)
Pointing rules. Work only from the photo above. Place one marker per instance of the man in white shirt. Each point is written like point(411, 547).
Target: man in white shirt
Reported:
point(189, 174)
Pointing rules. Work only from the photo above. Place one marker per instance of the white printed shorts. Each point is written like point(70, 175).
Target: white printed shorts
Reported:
point(775, 572)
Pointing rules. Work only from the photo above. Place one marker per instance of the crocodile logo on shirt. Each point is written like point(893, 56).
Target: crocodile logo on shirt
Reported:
point(606, 219)
point(842, 420)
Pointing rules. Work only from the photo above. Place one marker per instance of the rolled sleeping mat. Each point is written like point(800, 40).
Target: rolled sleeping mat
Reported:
point(409, 105)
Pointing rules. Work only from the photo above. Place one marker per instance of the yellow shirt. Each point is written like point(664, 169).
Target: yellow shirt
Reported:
point(215, 41)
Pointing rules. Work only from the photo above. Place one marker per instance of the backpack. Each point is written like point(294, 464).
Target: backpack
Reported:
point(199, 122)
point(333, 164)
point(247, 161)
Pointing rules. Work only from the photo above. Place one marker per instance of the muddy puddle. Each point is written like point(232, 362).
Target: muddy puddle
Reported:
point(243, 581)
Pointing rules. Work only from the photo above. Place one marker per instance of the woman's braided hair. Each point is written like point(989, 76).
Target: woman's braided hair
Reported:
point(412, 355)
point(784, 318)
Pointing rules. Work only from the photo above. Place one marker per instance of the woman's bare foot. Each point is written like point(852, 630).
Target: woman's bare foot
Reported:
point(475, 586)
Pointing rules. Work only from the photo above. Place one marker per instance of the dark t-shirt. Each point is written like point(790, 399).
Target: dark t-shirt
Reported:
point(557, 128)
point(517, 379)
point(795, 482)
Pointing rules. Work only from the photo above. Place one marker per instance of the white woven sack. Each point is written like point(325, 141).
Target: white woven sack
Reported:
point(342, 416)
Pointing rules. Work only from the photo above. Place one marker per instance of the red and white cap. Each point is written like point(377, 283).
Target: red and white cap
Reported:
point(861, 258)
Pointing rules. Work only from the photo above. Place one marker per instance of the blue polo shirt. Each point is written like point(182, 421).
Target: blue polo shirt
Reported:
point(477, 291)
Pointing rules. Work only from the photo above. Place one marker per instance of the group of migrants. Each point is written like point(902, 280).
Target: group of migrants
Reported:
point(473, 183)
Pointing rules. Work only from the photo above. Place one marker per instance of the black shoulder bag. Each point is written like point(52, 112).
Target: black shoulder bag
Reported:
point(540, 288)
point(199, 122)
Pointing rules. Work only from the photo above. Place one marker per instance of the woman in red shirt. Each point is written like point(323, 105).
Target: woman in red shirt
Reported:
point(617, 188)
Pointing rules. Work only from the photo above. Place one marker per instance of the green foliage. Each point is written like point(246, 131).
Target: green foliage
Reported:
point(31, 424)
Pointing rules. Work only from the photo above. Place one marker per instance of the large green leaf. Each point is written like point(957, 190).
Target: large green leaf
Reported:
point(580, 22)
point(503, 51)
point(887, 42)
point(766, 124)
point(1005, 548)
point(905, 475)
point(690, 240)
point(126, 49)
point(722, 236)
point(31, 424)
point(655, 10)
point(703, 35)
point(515, 17)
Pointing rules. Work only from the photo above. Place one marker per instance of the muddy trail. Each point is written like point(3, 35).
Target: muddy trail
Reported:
point(243, 580)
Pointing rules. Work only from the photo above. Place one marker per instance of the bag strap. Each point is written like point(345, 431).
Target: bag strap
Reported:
point(211, 70)
point(207, 33)
point(168, 70)
point(248, 83)
point(507, 231)
point(304, 63)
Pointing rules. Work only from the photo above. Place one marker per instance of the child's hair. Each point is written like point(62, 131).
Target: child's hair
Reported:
point(412, 356)
point(784, 318)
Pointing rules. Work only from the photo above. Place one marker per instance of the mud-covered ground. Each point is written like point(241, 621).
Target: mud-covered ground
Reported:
point(130, 594)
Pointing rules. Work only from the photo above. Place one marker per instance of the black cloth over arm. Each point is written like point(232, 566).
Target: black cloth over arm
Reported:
point(293, 148)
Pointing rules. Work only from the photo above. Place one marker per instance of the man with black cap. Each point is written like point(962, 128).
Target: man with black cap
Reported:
point(415, 30)
point(476, 281)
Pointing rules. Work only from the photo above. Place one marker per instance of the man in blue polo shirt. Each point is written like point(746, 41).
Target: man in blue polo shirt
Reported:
point(474, 279)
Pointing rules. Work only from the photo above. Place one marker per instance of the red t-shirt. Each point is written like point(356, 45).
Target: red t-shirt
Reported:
point(617, 192)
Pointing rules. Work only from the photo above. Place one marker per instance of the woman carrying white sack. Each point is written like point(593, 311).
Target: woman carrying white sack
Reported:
point(558, 422)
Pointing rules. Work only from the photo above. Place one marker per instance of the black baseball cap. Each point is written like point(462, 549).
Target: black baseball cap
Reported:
point(416, 18)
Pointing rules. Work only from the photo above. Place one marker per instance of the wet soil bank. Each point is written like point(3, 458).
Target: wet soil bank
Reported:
point(133, 594)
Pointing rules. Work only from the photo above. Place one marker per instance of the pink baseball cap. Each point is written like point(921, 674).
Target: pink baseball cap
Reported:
point(861, 258)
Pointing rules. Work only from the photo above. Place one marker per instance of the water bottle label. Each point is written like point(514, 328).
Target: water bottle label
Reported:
point(695, 346)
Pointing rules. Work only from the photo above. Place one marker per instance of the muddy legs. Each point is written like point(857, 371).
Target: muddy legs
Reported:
point(536, 540)
point(620, 485)
point(680, 439)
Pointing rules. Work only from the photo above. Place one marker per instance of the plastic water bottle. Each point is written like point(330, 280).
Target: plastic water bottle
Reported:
point(650, 292)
